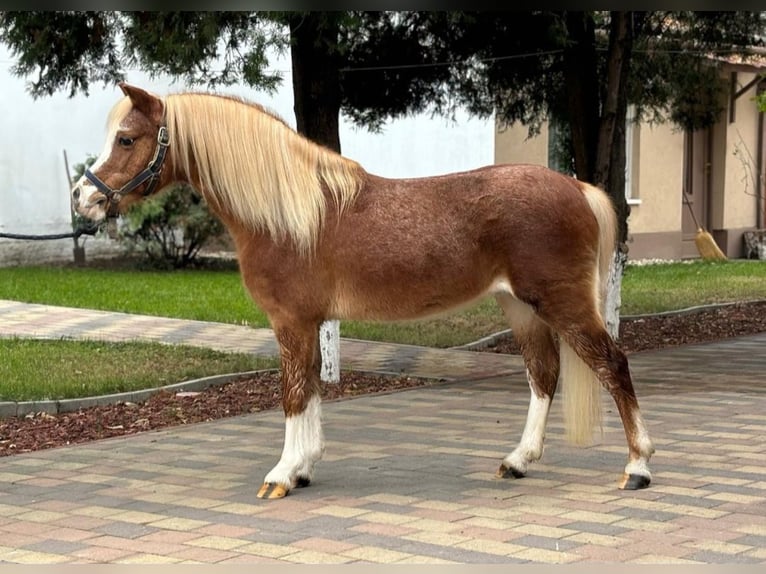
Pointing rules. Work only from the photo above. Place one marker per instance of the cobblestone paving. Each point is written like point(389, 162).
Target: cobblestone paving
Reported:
point(408, 477)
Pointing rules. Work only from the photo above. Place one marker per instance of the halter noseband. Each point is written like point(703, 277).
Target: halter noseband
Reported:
point(151, 172)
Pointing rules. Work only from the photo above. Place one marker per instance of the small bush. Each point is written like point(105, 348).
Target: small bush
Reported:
point(170, 228)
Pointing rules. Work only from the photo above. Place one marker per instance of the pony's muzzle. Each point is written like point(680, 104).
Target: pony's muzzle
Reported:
point(88, 202)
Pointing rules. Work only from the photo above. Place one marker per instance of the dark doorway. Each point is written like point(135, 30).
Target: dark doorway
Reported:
point(696, 186)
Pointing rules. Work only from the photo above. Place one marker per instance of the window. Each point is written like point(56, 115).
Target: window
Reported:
point(631, 147)
point(561, 156)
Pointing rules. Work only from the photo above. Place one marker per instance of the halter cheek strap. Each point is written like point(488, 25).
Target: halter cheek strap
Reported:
point(151, 172)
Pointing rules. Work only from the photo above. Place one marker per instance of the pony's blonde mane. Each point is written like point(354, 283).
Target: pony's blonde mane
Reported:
point(256, 167)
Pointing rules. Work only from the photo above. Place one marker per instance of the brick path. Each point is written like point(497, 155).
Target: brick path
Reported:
point(407, 477)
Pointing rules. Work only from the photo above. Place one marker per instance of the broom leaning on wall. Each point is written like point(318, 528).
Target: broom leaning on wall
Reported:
point(706, 245)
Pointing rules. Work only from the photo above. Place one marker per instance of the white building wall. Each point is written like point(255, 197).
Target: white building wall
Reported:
point(34, 195)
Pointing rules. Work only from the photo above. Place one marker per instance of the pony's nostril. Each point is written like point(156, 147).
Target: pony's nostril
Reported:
point(76, 193)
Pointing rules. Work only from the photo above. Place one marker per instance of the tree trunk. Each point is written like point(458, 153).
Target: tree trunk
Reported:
point(609, 172)
point(613, 301)
point(610, 162)
point(598, 127)
point(580, 68)
point(316, 76)
point(316, 91)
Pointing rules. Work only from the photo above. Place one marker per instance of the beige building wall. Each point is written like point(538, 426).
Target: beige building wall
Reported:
point(657, 170)
point(657, 176)
point(739, 205)
point(733, 208)
point(513, 145)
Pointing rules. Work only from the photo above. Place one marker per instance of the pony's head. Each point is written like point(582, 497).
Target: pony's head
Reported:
point(130, 166)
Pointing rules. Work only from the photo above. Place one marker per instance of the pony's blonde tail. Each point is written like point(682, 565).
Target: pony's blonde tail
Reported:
point(580, 387)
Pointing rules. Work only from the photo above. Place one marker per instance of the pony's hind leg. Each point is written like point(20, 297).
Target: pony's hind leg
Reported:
point(592, 344)
point(304, 440)
point(540, 352)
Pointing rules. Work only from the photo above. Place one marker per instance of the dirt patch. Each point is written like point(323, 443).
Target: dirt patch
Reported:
point(662, 331)
point(247, 394)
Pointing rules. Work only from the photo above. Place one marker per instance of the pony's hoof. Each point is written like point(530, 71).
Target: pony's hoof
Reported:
point(508, 472)
point(272, 491)
point(634, 481)
point(302, 482)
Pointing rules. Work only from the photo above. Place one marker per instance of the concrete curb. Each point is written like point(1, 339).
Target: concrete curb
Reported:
point(23, 408)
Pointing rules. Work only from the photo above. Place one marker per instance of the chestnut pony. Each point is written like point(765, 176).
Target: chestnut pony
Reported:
point(319, 238)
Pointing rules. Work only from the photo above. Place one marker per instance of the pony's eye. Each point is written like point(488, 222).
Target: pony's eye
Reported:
point(125, 142)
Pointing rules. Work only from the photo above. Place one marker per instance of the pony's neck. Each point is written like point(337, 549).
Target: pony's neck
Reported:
point(256, 171)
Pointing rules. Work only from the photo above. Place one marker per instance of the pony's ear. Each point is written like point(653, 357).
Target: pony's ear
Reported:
point(146, 103)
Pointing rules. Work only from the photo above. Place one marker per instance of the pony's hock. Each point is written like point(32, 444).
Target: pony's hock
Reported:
point(540, 242)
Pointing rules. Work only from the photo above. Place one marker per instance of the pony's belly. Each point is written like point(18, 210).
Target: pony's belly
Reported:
point(412, 303)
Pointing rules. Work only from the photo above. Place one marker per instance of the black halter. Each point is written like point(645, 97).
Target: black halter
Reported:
point(151, 172)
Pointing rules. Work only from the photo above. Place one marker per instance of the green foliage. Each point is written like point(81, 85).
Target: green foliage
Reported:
point(394, 63)
point(560, 153)
point(79, 168)
point(675, 74)
point(68, 49)
point(209, 48)
point(512, 63)
point(169, 228)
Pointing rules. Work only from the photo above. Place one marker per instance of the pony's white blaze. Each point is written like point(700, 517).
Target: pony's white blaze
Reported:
point(530, 447)
point(84, 202)
point(304, 446)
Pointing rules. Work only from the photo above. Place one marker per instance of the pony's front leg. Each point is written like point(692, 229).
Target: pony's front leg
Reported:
point(304, 440)
point(530, 447)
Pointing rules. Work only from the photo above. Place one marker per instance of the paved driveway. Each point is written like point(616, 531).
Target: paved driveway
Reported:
point(408, 477)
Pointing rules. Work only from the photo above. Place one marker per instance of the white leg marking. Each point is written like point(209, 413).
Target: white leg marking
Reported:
point(530, 447)
point(304, 445)
point(640, 465)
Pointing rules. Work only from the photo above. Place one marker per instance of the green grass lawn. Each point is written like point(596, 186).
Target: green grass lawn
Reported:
point(220, 296)
point(198, 294)
point(37, 370)
point(654, 288)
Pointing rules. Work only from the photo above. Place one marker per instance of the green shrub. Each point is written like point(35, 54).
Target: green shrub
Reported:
point(170, 228)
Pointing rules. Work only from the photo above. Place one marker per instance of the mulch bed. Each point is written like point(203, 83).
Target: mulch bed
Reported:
point(662, 331)
point(247, 394)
